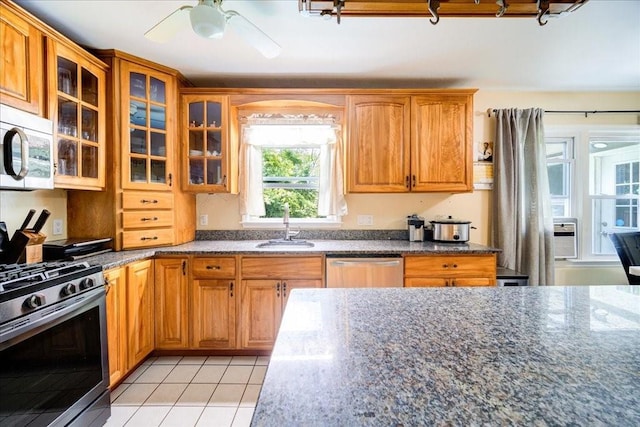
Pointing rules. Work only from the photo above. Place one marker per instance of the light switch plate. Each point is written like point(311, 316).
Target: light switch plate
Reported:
point(204, 219)
point(57, 227)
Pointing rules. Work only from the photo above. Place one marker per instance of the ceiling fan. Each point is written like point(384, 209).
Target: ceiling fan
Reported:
point(209, 20)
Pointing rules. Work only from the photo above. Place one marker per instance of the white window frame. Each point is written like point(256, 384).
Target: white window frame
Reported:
point(570, 160)
point(255, 222)
point(580, 197)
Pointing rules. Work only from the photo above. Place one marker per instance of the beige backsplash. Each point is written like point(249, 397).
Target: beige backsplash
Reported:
point(389, 211)
point(14, 206)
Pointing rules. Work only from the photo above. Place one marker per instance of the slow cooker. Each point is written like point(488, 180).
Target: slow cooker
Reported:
point(451, 230)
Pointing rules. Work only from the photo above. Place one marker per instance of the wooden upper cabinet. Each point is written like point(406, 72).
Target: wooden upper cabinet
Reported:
point(21, 62)
point(418, 142)
point(441, 141)
point(379, 143)
point(77, 98)
point(148, 131)
point(207, 154)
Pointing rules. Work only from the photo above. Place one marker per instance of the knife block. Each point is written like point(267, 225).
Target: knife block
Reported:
point(25, 247)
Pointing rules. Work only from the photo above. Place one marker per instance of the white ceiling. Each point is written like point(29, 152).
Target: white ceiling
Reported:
point(596, 48)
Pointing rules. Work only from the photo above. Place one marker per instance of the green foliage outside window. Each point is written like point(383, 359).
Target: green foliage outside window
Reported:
point(291, 176)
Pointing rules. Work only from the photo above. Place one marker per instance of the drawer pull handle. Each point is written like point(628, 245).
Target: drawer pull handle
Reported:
point(149, 238)
point(213, 267)
point(155, 218)
point(144, 201)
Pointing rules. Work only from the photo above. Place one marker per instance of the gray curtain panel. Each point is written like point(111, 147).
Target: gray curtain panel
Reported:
point(522, 219)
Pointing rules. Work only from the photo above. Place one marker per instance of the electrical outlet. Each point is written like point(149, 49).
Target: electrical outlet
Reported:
point(57, 227)
point(204, 219)
point(365, 219)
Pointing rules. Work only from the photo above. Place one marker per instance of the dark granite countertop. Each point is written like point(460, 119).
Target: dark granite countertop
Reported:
point(248, 247)
point(456, 356)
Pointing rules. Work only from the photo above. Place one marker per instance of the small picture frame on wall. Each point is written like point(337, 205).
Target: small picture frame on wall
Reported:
point(485, 151)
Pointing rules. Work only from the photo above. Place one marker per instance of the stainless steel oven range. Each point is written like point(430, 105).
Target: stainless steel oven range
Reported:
point(53, 345)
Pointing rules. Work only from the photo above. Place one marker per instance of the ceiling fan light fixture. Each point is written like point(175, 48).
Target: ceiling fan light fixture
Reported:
point(207, 21)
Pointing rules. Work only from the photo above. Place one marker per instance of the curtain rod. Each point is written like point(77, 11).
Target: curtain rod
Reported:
point(585, 112)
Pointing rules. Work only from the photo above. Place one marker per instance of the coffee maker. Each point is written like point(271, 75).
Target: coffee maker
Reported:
point(415, 225)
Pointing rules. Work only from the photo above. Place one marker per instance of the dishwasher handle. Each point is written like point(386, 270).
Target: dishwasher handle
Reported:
point(340, 263)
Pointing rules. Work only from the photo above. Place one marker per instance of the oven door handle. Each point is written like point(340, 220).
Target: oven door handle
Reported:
point(29, 325)
point(8, 154)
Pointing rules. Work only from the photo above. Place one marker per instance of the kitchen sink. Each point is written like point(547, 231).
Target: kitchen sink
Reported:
point(277, 243)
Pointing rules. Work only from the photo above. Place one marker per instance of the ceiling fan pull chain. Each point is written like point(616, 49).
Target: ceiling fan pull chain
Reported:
point(434, 5)
point(543, 8)
point(338, 4)
point(503, 7)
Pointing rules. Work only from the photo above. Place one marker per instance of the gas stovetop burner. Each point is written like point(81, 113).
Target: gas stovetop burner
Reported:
point(43, 284)
point(14, 276)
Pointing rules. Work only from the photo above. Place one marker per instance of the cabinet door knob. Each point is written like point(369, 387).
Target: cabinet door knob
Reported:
point(278, 289)
point(445, 265)
point(414, 181)
point(284, 289)
point(406, 181)
point(231, 289)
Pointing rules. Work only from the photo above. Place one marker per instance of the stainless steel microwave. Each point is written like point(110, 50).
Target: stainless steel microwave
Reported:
point(26, 150)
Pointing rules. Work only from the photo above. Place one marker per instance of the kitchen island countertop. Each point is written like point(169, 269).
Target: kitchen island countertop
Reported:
point(456, 356)
point(249, 247)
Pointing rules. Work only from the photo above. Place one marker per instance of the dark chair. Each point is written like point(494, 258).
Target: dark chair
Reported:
point(628, 247)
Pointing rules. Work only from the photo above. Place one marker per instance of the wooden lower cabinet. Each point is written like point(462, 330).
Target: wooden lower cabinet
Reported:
point(213, 296)
point(130, 317)
point(140, 311)
point(171, 303)
point(116, 323)
point(265, 288)
point(214, 314)
point(450, 270)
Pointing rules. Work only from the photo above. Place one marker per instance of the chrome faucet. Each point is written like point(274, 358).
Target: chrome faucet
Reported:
point(288, 234)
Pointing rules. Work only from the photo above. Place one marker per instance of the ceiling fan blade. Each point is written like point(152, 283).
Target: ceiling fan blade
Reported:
point(252, 34)
point(166, 29)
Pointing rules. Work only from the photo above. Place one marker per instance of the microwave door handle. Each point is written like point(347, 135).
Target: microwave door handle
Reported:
point(8, 154)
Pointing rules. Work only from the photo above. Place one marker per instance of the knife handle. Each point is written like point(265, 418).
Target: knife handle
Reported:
point(27, 219)
point(41, 220)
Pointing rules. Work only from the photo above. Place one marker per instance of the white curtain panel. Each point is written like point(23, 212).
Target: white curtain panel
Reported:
point(331, 199)
point(522, 218)
point(250, 176)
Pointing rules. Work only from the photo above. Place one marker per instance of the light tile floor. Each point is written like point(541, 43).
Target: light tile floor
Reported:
point(189, 391)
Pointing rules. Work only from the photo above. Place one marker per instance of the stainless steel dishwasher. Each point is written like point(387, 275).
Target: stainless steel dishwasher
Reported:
point(380, 271)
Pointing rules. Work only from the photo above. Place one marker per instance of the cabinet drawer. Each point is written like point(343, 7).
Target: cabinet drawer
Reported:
point(425, 282)
point(146, 200)
point(457, 265)
point(214, 267)
point(148, 219)
point(144, 238)
point(282, 268)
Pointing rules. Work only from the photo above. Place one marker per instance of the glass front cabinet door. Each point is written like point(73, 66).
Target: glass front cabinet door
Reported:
point(148, 137)
point(77, 107)
point(205, 147)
